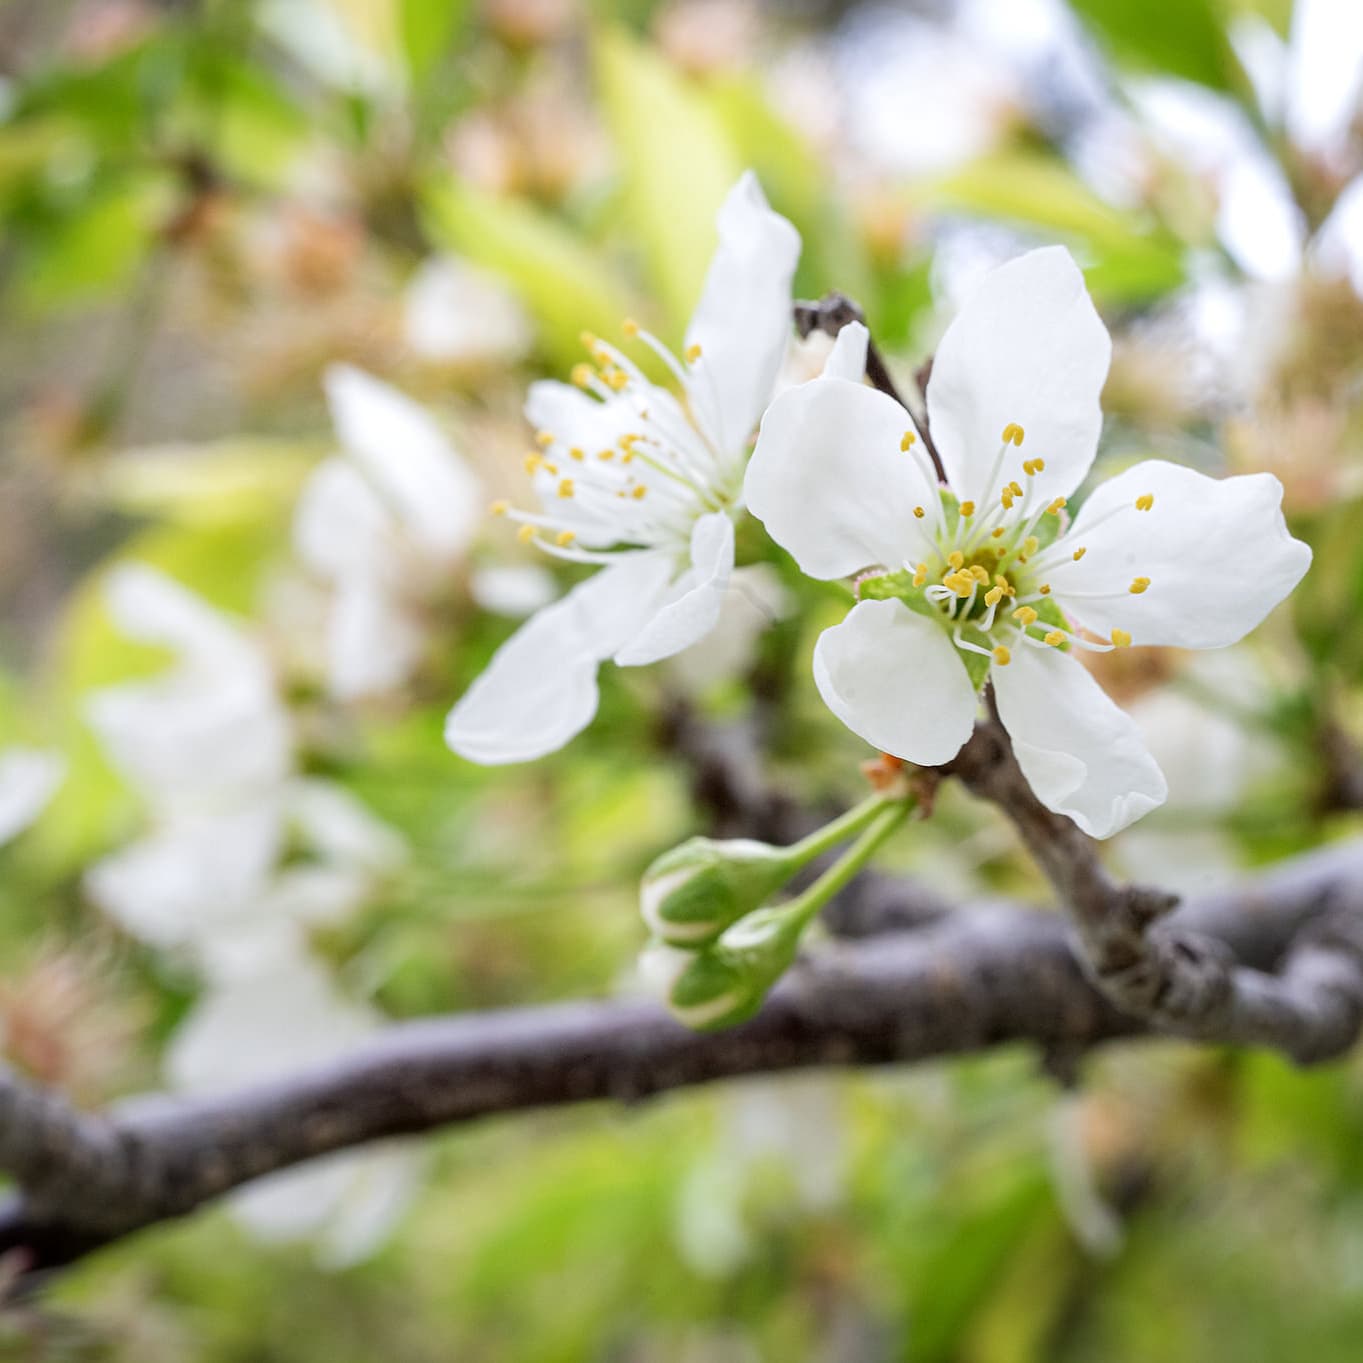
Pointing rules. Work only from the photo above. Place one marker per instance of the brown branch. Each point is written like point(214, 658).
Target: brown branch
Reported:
point(980, 978)
point(830, 314)
point(1173, 977)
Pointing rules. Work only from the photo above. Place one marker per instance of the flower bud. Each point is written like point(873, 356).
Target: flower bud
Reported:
point(694, 892)
point(727, 982)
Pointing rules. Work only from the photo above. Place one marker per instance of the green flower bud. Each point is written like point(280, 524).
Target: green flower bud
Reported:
point(692, 893)
point(728, 982)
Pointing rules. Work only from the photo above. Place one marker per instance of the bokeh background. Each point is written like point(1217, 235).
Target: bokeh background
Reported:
point(206, 203)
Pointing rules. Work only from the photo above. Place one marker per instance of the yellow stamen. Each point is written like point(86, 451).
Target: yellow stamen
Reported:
point(1012, 434)
point(578, 454)
point(1079, 553)
point(1006, 497)
point(544, 439)
point(605, 456)
point(907, 442)
point(565, 488)
point(1121, 639)
point(499, 508)
point(967, 509)
point(533, 463)
point(582, 375)
point(919, 512)
point(1055, 638)
point(639, 493)
point(997, 534)
point(1138, 585)
point(617, 380)
point(1039, 465)
point(1025, 616)
point(978, 573)
point(1145, 501)
point(566, 537)
point(1015, 489)
point(1056, 507)
point(630, 327)
point(956, 558)
point(1030, 545)
point(1002, 656)
point(589, 341)
point(693, 353)
point(920, 575)
point(993, 596)
point(525, 534)
point(1044, 589)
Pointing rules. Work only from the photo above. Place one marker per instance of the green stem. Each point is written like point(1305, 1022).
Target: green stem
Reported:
point(840, 829)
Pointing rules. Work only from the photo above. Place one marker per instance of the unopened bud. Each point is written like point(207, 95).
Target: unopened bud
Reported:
point(694, 892)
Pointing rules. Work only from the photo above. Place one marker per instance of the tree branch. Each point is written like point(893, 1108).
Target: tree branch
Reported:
point(983, 977)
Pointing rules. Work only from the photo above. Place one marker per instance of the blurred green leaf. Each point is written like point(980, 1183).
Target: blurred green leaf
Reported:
point(1184, 38)
point(426, 28)
point(677, 164)
point(557, 275)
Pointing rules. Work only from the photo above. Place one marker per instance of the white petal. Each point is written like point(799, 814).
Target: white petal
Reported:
point(513, 589)
point(540, 689)
point(406, 455)
point(754, 601)
point(829, 481)
point(895, 679)
point(149, 606)
point(342, 829)
point(692, 607)
point(1325, 75)
point(374, 642)
point(1082, 755)
point(455, 313)
point(1028, 348)
point(1217, 552)
point(743, 320)
point(381, 1184)
point(847, 359)
point(341, 526)
point(28, 780)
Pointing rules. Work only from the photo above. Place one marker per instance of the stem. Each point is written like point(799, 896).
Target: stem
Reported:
point(839, 829)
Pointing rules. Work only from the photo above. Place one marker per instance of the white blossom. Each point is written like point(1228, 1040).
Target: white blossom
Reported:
point(455, 313)
point(644, 485)
point(385, 523)
point(986, 578)
point(29, 778)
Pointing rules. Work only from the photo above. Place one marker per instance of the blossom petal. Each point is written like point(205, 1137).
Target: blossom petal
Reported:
point(342, 829)
point(341, 526)
point(405, 453)
point(830, 482)
point(895, 679)
point(373, 641)
point(742, 323)
point(693, 605)
point(1028, 348)
point(1217, 552)
point(29, 778)
point(1081, 754)
point(540, 689)
point(847, 359)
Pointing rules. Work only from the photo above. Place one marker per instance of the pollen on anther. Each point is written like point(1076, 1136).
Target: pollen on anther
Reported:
point(1080, 552)
point(577, 453)
point(1055, 638)
point(1025, 616)
point(533, 463)
point(993, 596)
point(1121, 639)
point(1138, 585)
point(589, 341)
point(1056, 507)
point(956, 558)
point(1002, 656)
point(997, 533)
point(1145, 501)
point(605, 456)
point(1044, 589)
point(693, 353)
point(978, 572)
point(919, 512)
point(544, 439)
point(525, 534)
point(907, 442)
point(582, 375)
point(565, 487)
point(499, 508)
point(639, 493)
point(1030, 545)
point(630, 327)
point(1012, 434)
point(565, 538)
point(967, 509)
point(920, 575)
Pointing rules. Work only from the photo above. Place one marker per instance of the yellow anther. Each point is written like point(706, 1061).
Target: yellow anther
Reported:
point(1025, 616)
point(1015, 489)
point(1056, 507)
point(551, 469)
point(1002, 656)
point(907, 442)
point(577, 453)
point(617, 380)
point(589, 341)
point(1039, 465)
point(630, 327)
point(565, 537)
point(693, 353)
point(967, 509)
point(979, 573)
point(993, 596)
point(920, 575)
point(1145, 501)
point(1031, 544)
point(565, 488)
point(639, 493)
point(525, 534)
point(533, 463)
point(1079, 553)
point(1121, 639)
point(499, 508)
point(956, 558)
point(582, 375)
point(1138, 585)
point(1044, 589)
point(1006, 497)
point(1029, 467)
point(544, 439)
point(1001, 581)
point(629, 440)
point(1055, 638)
point(919, 512)
point(997, 533)
point(1012, 434)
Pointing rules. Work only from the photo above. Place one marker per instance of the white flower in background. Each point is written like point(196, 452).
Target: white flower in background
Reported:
point(208, 747)
point(385, 523)
point(984, 579)
point(644, 485)
point(246, 1031)
point(455, 313)
point(29, 778)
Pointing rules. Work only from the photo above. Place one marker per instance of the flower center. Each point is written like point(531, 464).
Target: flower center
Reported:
point(642, 469)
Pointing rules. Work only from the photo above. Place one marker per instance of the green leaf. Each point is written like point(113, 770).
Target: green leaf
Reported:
point(1184, 38)
point(558, 277)
point(426, 29)
point(677, 163)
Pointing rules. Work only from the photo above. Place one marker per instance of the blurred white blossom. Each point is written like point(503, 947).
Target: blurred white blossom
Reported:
point(29, 778)
point(457, 314)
